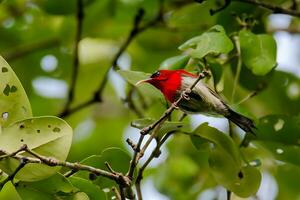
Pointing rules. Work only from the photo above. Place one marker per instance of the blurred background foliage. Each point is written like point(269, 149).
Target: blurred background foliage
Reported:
point(37, 40)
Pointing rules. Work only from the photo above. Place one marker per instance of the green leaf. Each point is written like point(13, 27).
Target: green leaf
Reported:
point(253, 82)
point(9, 192)
point(114, 156)
point(282, 152)
point(93, 191)
point(14, 104)
point(282, 89)
point(48, 188)
point(280, 134)
point(221, 140)
point(200, 143)
point(176, 62)
point(243, 181)
point(226, 164)
point(214, 41)
point(133, 76)
point(279, 128)
point(47, 136)
point(148, 90)
point(217, 71)
point(187, 16)
point(258, 52)
point(165, 127)
point(286, 177)
point(80, 196)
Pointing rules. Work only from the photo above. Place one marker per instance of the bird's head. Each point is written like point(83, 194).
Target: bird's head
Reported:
point(167, 81)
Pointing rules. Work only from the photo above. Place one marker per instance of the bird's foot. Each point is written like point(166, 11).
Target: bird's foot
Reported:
point(185, 94)
point(175, 105)
point(204, 73)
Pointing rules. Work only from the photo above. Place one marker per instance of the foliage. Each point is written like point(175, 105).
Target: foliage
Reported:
point(120, 43)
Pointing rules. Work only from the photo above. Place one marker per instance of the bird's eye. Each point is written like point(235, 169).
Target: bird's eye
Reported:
point(155, 74)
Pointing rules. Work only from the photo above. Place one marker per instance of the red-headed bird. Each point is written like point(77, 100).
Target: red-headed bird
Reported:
point(202, 99)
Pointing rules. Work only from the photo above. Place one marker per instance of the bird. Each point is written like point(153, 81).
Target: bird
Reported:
point(201, 99)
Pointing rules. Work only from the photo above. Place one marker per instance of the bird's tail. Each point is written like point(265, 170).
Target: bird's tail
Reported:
point(243, 122)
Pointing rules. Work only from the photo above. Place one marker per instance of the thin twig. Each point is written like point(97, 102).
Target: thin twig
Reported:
point(109, 168)
point(249, 96)
point(152, 136)
point(122, 192)
point(228, 192)
point(70, 173)
point(11, 177)
point(79, 19)
point(119, 178)
point(239, 66)
point(294, 5)
point(134, 32)
point(182, 117)
point(117, 193)
point(26, 49)
point(136, 29)
point(77, 108)
point(131, 104)
point(272, 7)
point(133, 162)
point(131, 144)
point(153, 155)
point(22, 148)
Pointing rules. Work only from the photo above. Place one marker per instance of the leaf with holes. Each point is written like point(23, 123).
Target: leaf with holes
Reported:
point(258, 52)
point(14, 104)
point(283, 152)
point(226, 163)
point(213, 41)
point(47, 136)
point(278, 128)
point(280, 134)
point(176, 62)
point(243, 181)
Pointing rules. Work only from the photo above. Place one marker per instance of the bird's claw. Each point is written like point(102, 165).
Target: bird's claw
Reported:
point(175, 105)
point(185, 94)
point(204, 73)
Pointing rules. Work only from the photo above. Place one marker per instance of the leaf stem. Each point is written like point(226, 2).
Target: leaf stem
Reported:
point(239, 66)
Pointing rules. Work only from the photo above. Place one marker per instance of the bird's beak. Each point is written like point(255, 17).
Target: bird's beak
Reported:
point(142, 81)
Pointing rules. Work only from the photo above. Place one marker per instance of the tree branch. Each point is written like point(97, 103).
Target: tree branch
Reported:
point(26, 49)
point(11, 177)
point(137, 28)
point(115, 190)
point(294, 5)
point(272, 7)
point(122, 193)
point(52, 162)
point(155, 153)
point(79, 19)
point(239, 66)
point(131, 104)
